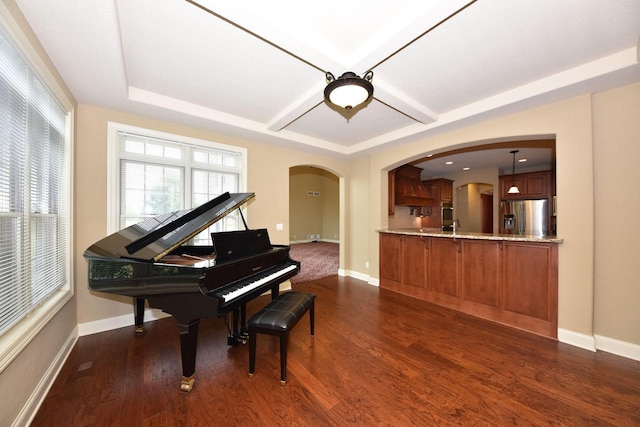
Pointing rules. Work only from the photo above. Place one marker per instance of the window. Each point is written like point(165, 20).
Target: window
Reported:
point(35, 223)
point(156, 173)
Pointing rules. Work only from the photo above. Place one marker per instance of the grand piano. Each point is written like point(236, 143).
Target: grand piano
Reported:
point(150, 261)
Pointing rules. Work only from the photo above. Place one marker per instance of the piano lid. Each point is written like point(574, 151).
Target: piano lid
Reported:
point(155, 237)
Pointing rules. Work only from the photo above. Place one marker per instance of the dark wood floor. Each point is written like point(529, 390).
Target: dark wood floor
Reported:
point(378, 358)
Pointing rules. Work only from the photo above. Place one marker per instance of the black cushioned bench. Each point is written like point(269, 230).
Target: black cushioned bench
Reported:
point(278, 318)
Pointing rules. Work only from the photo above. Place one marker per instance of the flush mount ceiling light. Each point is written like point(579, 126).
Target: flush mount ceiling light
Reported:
point(348, 91)
point(514, 188)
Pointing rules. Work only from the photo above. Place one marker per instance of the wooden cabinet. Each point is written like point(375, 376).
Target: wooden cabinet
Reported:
point(533, 185)
point(415, 261)
point(481, 278)
point(510, 282)
point(443, 266)
point(442, 191)
point(530, 281)
point(391, 251)
point(405, 261)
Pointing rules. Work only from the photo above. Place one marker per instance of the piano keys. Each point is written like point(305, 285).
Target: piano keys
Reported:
point(150, 261)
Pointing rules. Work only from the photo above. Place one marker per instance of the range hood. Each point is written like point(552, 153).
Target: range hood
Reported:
point(408, 187)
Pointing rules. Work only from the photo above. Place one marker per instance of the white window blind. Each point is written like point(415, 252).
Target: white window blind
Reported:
point(34, 189)
point(158, 175)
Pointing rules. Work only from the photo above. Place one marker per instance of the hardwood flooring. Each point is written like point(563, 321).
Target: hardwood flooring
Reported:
point(377, 358)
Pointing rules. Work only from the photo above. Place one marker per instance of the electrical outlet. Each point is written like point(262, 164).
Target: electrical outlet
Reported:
point(366, 264)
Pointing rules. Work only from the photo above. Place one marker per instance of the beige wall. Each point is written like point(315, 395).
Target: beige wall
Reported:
point(616, 136)
point(358, 227)
point(330, 206)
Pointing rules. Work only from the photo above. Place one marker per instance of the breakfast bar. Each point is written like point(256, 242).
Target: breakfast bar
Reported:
point(505, 278)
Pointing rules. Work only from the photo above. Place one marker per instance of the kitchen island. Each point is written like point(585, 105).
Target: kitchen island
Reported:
point(504, 278)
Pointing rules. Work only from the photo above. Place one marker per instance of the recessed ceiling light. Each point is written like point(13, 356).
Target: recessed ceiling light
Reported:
point(522, 160)
point(448, 163)
point(465, 169)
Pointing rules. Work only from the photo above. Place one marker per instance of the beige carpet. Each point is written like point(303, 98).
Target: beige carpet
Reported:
point(317, 260)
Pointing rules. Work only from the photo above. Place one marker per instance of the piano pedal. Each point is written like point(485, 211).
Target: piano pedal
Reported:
point(139, 329)
point(238, 339)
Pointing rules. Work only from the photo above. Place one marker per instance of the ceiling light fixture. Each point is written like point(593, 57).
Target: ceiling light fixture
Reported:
point(348, 91)
point(514, 188)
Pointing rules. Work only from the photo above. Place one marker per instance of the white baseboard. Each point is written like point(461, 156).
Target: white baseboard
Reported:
point(359, 276)
point(617, 347)
point(600, 343)
point(30, 409)
point(576, 339)
point(123, 321)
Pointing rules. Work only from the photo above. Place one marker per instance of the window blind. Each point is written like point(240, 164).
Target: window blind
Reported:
point(34, 190)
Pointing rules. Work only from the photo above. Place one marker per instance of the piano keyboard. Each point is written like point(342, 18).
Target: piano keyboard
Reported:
point(235, 293)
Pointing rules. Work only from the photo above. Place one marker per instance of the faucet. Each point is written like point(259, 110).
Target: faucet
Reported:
point(456, 225)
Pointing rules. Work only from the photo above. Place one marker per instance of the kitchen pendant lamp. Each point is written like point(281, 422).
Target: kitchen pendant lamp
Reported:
point(514, 188)
point(348, 91)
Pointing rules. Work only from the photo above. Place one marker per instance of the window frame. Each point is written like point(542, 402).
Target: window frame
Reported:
point(22, 333)
point(113, 164)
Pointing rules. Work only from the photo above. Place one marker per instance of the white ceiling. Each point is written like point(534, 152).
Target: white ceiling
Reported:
point(528, 159)
point(256, 69)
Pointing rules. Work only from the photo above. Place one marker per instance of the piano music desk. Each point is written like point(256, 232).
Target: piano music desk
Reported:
point(278, 318)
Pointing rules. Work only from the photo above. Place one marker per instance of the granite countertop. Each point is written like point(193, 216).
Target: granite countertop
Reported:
point(436, 232)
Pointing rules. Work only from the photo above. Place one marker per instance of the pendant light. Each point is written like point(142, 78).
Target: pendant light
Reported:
point(514, 188)
point(349, 90)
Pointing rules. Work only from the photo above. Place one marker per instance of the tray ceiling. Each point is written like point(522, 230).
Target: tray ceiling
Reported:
point(256, 69)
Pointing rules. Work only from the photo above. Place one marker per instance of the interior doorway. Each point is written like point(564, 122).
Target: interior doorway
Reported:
point(474, 207)
point(314, 220)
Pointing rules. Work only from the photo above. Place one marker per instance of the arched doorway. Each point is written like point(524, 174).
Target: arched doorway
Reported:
point(314, 221)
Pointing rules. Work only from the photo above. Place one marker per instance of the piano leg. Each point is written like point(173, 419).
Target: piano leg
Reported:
point(188, 347)
point(138, 314)
point(243, 323)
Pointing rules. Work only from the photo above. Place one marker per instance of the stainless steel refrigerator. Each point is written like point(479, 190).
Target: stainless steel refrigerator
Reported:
point(524, 217)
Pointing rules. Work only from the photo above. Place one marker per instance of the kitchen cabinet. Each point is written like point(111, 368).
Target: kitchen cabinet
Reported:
point(406, 259)
point(530, 281)
point(441, 191)
point(415, 261)
point(443, 267)
point(511, 282)
point(532, 185)
point(391, 250)
point(481, 278)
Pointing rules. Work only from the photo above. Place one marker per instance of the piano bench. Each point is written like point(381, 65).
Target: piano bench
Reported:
point(278, 318)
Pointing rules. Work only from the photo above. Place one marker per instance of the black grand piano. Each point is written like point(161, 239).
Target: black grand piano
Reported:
point(150, 261)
